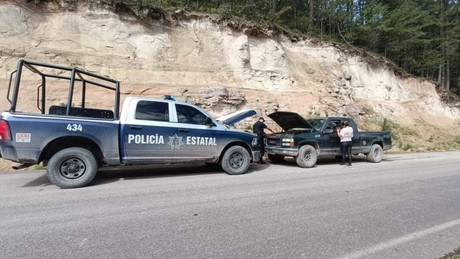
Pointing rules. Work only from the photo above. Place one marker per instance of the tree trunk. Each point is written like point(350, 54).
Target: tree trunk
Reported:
point(458, 86)
point(447, 76)
point(440, 76)
point(361, 5)
point(443, 51)
point(321, 27)
point(312, 16)
point(350, 10)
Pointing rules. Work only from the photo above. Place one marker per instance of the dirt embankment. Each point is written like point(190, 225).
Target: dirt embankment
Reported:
point(200, 58)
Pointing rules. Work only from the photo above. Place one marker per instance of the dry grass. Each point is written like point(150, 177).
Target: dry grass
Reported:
point(453, 255)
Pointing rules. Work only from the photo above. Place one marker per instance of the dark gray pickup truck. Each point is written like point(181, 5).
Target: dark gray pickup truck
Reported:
point(307, 139)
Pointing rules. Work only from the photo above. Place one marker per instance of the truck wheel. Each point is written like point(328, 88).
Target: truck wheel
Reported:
point(276, 158)
point(307, 156)
point(376, 154)
point(236, 160)
point(72, 168)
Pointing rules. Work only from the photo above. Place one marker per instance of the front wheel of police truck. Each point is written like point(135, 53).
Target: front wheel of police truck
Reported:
point(236, 160)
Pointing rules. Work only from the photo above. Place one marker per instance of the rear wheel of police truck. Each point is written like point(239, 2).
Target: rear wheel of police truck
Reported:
point(236, 160)
point(72, 168)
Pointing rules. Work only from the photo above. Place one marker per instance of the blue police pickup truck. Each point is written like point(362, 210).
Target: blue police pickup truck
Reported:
point(73, 140)
point(308, 139)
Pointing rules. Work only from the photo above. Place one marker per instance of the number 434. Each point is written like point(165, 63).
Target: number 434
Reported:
point(74, 127)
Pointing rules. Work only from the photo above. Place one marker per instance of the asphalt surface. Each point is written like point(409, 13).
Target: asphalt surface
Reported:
point(407, 206)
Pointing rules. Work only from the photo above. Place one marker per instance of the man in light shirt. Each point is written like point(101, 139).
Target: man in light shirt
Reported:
point(346, 135)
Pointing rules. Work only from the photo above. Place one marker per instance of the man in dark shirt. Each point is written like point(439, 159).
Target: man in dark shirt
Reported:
point(258, 128)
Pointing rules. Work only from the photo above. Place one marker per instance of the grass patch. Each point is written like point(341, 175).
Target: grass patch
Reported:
point(39, 167)
point(412, 139)
point(403, 137)
point(313, 114)
point(407, 146)
point(368, 110)
point(457, 140)
point(453, 255)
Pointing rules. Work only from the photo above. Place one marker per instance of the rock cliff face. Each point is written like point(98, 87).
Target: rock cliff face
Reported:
point(223, 67)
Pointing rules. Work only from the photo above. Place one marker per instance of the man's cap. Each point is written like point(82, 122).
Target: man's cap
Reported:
point(261, 118)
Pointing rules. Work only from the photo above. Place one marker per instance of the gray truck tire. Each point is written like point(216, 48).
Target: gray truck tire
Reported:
point(236, 160)
point(376, 154)
point(72, 168)
point(307, 157)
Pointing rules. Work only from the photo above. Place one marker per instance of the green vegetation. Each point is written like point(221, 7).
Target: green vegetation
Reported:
point(420, 36)
point(457, 140)
point(38, 167)
point(387, 125)
point(403, 137)
point(407, 139)
point(454, 255)
point(313, 114)
point(368, 111)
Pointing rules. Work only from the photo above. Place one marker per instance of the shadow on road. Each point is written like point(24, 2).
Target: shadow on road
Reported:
point(290, 161)
point(42, 180)
point(114, 174)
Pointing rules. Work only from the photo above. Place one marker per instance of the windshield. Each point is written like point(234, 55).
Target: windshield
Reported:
point(316, 123)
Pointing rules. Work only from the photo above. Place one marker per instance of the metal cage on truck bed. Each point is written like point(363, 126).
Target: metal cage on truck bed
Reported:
point(76, 75)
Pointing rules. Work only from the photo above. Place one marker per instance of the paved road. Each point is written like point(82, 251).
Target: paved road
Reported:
point(408, 206)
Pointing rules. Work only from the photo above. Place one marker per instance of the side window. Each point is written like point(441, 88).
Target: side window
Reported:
point(334, 124)
point(152, 111)
point(188, 114)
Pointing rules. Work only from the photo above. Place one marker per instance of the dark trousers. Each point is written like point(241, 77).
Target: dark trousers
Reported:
point(260, 139)
point(345, 148)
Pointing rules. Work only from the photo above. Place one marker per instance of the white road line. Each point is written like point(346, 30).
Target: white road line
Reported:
point(401, 240)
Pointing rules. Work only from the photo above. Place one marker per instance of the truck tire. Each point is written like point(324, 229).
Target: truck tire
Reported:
point(307, 157)
point(276, 159)
point(235, 160)
point(72, 168)
point(376, 154)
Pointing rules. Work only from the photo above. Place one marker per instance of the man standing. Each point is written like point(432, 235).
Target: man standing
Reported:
point(258, 128)
point(345, 134)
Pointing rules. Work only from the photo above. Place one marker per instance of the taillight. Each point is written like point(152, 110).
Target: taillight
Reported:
point(5, 134)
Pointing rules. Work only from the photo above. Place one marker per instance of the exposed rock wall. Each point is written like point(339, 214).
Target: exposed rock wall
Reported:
point(205, 61)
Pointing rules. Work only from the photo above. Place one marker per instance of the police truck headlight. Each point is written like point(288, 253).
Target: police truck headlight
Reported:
point(255, 142)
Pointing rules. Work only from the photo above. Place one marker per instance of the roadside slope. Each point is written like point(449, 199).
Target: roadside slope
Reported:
point(207, 61)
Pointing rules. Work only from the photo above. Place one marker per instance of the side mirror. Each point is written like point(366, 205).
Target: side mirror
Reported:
point(209, 122)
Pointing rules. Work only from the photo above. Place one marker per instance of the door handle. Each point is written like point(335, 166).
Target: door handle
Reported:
point(135, 127)
point(183, 130)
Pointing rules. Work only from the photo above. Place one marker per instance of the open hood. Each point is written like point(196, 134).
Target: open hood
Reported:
point(235, 117)
point(289, 120)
